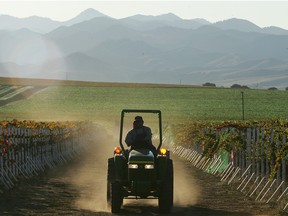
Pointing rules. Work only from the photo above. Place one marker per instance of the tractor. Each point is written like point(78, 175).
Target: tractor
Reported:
point(140, 173)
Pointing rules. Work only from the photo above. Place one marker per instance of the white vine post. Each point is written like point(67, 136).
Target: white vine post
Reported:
point(27, 151)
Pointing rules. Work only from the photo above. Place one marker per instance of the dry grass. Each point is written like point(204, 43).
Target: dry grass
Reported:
point(51, 82)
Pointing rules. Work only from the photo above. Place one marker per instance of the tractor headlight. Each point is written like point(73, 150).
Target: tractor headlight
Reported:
point(149, 166)
point(133, 166)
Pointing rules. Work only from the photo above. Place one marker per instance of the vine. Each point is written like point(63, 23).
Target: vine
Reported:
point(232, 136)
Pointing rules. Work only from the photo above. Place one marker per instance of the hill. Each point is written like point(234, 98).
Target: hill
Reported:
point(162, 49)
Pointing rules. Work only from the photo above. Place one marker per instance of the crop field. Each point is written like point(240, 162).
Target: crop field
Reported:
point(195, 113)
point(177, 103)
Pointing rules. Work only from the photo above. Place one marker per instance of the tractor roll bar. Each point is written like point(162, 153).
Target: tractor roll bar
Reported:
point(140, 111)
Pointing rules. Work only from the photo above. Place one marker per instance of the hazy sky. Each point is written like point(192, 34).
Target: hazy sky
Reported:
point(262, 13)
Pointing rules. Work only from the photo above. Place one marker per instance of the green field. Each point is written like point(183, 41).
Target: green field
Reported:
point(178, 104)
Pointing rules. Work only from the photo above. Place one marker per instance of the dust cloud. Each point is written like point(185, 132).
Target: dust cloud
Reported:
point(89, 175)
point(186, 189)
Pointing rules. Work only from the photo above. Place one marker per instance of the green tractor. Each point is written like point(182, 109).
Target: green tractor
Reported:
point(139, 173)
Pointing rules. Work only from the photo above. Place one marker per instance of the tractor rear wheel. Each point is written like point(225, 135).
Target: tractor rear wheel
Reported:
point(165, 200)
point(116, 197)
point(114, 190)
point(110, 178)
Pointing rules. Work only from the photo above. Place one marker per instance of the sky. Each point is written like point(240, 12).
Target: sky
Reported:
point(262, 13)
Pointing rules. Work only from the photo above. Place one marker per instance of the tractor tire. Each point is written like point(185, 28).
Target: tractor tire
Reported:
point(114, 189)
point(116, 197)
point(165, 200)
point(110, 179)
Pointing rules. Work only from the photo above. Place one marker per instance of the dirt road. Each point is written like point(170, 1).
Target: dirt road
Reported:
point(79, 188)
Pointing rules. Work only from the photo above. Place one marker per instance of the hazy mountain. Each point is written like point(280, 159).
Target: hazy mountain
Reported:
point(33, 23)
point(266, 46)
point(274, 30)
point(164, 17)
point(237, 24)
point(94, 25)
point(144, 22)
point(79, 66)
point(88, 34)
point(154, 49)
point(140, 22)
point(224, 61)
point(26, 47)
point(121, 52)
point(44, 25)
point(10, 69)
point(201, 21)
point(142, 25)
point(247, 26)
point(84, 16)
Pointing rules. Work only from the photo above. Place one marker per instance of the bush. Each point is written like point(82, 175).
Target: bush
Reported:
point(239, 86)
point(245, 87)
point(208, 84)
point(272, 88)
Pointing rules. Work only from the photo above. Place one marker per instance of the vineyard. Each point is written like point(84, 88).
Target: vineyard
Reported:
point(206, 129)
point(252, 156)
point(29, 147)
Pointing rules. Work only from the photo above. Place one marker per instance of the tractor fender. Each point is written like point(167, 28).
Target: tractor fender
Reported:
point(162, 167)
point(120, 168)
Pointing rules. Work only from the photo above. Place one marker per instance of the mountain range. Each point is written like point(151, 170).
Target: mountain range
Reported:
point(151, 49)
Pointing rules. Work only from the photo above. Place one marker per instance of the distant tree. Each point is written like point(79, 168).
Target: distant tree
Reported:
point(286, 88)
point(245, 87)
point(208, 84)
point(236, 86)
point(272, 88)
point(239, 86)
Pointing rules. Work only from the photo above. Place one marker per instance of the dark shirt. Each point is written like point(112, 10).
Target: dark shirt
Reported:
point(140, 138)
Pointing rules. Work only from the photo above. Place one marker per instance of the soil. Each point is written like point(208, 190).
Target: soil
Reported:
point(79, 188)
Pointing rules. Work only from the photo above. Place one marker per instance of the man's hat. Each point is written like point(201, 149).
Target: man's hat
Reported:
point(138, 118)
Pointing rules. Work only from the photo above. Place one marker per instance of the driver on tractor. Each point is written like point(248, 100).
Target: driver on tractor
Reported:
point(140, 137)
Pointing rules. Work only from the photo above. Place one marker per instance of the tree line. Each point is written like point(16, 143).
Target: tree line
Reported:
point(238, 86)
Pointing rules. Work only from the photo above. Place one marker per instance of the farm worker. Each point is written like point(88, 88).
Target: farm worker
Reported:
point(140, 136)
